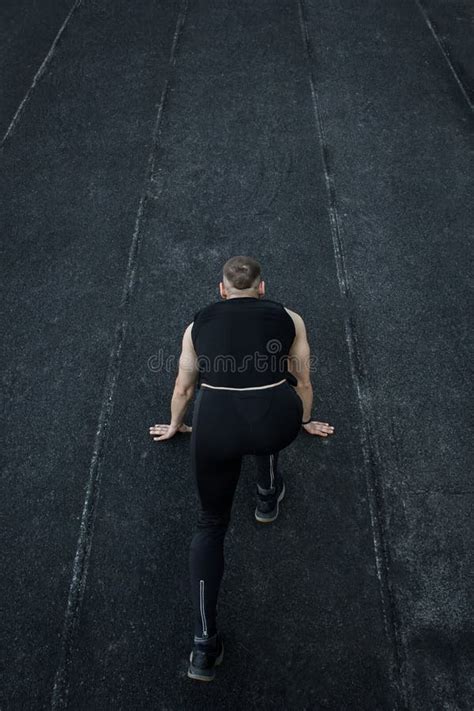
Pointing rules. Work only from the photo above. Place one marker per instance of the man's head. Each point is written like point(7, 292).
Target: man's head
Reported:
point(241, 277)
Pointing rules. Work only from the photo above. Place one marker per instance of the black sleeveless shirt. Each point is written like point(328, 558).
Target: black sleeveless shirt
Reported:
point(243, 342)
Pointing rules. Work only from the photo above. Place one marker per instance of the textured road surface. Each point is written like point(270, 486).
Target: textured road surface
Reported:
point(144, 144)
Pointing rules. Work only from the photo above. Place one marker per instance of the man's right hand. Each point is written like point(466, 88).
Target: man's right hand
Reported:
point(322, 429)
point(162, 432)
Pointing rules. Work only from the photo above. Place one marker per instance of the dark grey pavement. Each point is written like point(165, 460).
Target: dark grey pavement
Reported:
point(144, 145)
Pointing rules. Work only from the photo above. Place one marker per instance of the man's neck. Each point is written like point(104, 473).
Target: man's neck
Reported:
point(240, 296)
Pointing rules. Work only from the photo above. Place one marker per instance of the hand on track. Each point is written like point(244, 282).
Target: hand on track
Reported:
point(323, 429)
point(162, 432)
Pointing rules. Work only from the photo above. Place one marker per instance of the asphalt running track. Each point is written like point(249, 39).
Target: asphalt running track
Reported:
point(143, 144)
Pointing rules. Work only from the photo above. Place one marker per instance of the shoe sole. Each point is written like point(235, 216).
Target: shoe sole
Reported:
point(260, 518)
point(197, 674)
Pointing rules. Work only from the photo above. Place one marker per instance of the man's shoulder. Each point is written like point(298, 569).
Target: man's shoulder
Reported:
point(272, 302)
point(294, 315)
point(206, 308)
point(298, 323)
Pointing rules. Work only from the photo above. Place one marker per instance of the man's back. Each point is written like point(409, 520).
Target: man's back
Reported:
point(242, 342)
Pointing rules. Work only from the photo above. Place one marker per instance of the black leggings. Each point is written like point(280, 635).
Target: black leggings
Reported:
point(228, 424)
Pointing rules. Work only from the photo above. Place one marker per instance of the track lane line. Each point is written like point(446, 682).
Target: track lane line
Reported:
point(371, 455)
point(38, 74)
point(445, 54)
point(59, 696)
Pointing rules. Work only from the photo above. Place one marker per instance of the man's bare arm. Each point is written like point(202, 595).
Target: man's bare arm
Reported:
point(183, 392)
point(299, 361)
point(186, 379)
point(298, 364)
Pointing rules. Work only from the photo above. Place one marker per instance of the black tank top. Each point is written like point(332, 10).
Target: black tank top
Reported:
point(243, 342)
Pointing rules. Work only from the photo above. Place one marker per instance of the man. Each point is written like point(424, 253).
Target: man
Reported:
point(250, 356)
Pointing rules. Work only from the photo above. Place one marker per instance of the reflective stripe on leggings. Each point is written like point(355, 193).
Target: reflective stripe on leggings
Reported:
point(203, 612)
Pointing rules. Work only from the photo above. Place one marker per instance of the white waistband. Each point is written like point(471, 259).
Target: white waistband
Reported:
point(258, 387)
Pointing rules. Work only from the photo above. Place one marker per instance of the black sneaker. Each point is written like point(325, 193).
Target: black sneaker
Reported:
point(205, 656)
point(268, 505)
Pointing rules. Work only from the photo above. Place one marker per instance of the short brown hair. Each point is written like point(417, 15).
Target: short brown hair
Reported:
point(242, 272)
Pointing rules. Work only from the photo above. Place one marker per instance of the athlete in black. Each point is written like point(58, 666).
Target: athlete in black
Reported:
point(249, 357)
